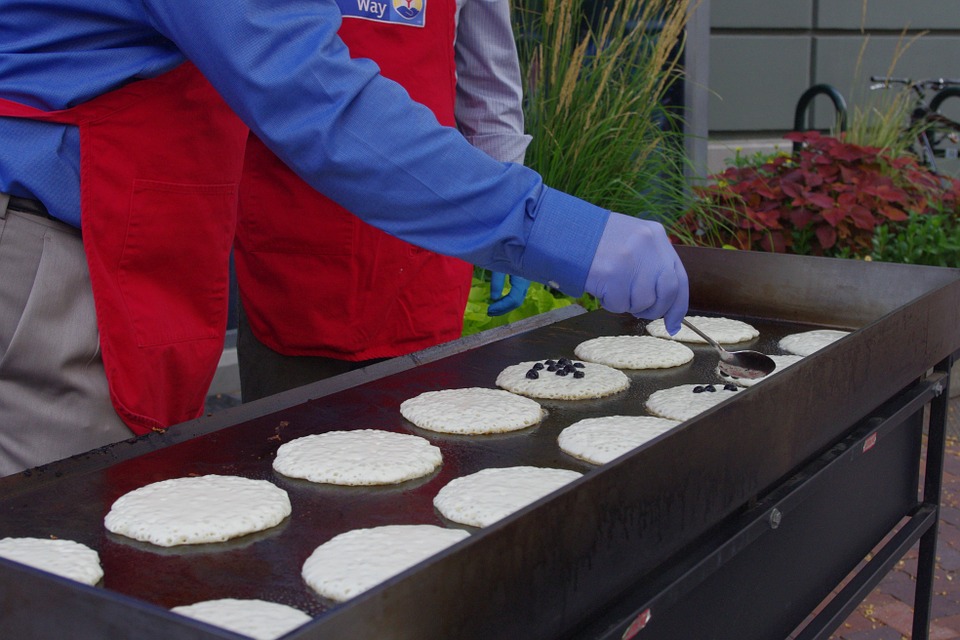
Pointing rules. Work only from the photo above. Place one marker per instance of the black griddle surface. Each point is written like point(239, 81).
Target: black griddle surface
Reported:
point(267, 565)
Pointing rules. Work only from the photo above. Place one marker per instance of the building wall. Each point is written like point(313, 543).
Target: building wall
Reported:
point(765, 53)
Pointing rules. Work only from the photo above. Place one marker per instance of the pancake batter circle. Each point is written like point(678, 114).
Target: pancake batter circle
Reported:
point(808, 342)
point(723, 330)
point(562, 380)
point(634, 352)
point(353, 562)
point(357, 457)
point(686, 401)
point(200, 509)
point(484, 497)
point(62, 557)
point(600, 440)
point(258, 619)
point(472, 411)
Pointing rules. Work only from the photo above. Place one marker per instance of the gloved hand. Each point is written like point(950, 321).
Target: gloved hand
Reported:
point(501, 304)
point(637, 270)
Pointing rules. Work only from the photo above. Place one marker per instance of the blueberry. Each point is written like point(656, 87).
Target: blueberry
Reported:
point(549, 362)
point(538, 366)
point(578, 374)
point(563, 361)
point(562, 372)
point(710, 388)
point(533, 375)
point(698, 389)
point(578, 365)
point(729, 387)
point(552, 367)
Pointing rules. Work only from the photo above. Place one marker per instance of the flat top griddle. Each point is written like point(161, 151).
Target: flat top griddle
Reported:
point(267, 565)
point(558, 559)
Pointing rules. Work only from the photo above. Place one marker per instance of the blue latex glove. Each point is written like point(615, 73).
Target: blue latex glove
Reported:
point(501, 304)
point(637, 270)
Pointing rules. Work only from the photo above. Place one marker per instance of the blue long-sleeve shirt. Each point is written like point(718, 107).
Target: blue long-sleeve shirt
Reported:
point(349, 132)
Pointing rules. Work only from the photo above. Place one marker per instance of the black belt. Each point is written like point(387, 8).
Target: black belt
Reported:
point(27, 205)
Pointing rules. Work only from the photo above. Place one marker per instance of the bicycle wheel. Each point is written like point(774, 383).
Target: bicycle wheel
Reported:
point(945, 133)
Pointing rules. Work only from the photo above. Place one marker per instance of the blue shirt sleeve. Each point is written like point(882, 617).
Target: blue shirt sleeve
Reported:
point(349, 132)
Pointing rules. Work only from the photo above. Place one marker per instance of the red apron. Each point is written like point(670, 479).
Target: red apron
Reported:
point(359, 293)
point(160, 161)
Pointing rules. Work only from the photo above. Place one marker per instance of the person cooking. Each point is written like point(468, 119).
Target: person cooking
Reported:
point(123, 127)
point(364, 295)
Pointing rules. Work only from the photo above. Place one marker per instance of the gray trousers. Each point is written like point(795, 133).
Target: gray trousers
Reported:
point(54, 400)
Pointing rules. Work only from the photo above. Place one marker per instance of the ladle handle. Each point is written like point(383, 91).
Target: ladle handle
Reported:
point(702, 335)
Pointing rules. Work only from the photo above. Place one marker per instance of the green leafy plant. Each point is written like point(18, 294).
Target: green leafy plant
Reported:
point(594, 96)
point(755, 159)
point(540, 299)
point(828, 199)
point(930, 239)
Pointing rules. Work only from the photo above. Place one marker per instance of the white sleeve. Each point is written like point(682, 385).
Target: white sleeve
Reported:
point(489, 109)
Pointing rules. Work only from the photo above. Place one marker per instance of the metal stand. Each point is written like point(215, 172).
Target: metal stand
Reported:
point(763, 573)
point(839, 104)
point(932, 487)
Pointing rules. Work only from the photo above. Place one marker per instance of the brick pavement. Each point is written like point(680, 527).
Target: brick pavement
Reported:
point(887, 613)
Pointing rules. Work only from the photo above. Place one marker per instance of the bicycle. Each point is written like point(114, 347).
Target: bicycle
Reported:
point(935, 135)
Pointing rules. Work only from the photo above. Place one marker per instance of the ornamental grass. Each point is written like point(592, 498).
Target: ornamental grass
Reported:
point(597, 80)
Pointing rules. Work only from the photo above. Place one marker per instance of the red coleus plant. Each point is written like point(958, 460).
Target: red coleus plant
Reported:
point(836, 191)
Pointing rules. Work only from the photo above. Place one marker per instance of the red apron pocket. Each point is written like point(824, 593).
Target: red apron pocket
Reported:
point(169, 250)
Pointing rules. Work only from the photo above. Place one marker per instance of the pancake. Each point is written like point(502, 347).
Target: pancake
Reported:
point(356, 561)
point(258, 619)
point(62, 557)
point(808, 342)
point(634, 352)
point(562, 379)
point(358, 457)
point(196, 510)
point(723, 330)
point(600, 440)
point(471, 411)
point(688, 400)
point(484, 497)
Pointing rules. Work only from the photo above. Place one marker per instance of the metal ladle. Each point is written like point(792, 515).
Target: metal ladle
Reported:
point(738, 364)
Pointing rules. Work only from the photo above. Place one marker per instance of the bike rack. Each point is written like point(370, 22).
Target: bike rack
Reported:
point(839, 104)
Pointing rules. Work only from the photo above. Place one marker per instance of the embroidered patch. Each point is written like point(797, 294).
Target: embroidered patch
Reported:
point(406, 12)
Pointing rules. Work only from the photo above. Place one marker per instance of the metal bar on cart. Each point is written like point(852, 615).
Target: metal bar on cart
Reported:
point(922, 526)
point(932, 489)
point(767, 514)
point(849, 598)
